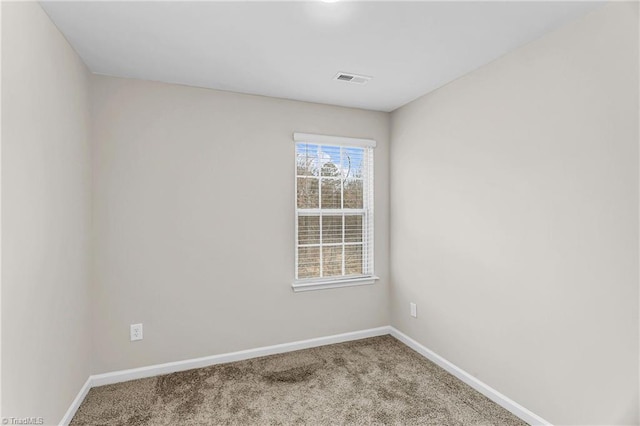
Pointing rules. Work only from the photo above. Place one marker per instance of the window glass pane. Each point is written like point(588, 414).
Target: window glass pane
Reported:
point(308, 196)
point(353, 194)
point(353, 229)
point(353, 260)
point(331, 229)
point(308, 230)
point(352, 162)
point(331, 194)
point(332, 177)
point(330, 160)
point(307, 163)
point(308, 262)
point(332, 261)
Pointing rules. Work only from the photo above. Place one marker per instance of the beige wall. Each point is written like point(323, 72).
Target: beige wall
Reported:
point(515, 221)
point(194, 223)
point(45, 217)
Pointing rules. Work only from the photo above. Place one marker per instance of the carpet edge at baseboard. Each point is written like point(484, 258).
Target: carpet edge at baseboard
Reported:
point(119, 376)
point(172, 367)
point(497, 397)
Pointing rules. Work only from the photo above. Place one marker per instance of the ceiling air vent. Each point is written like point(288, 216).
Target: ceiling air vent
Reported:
point(352, 78)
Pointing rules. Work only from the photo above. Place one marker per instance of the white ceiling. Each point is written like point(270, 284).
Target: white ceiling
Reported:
point(293, 49)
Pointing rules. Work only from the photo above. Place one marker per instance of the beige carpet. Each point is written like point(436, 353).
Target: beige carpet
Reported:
point(370, 381)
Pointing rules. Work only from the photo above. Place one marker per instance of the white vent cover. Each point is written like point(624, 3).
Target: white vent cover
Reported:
point(352, 78)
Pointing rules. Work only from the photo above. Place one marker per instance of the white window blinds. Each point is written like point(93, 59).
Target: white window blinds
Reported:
point(334, 208)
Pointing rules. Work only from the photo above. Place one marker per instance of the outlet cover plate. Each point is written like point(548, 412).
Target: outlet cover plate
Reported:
point(136, 332)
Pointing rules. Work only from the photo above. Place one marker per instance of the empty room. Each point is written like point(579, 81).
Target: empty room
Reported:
point(319, 213)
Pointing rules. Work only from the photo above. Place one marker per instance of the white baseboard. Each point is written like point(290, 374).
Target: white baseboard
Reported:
point(66, 419)
point(505, 402)
point(172, 367)
point(188, 364)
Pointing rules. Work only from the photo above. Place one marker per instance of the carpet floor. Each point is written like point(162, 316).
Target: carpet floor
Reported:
point(370, 381)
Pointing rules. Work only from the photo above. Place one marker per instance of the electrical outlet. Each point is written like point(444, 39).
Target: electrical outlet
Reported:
point(136, 332)
point(413, 310)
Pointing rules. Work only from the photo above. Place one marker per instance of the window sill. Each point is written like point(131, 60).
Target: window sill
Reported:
point(299, 286)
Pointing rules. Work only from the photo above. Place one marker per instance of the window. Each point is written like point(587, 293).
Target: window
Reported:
point(334, 211)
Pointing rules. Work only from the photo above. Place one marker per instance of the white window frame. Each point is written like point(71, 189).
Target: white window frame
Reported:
point(307, 284)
